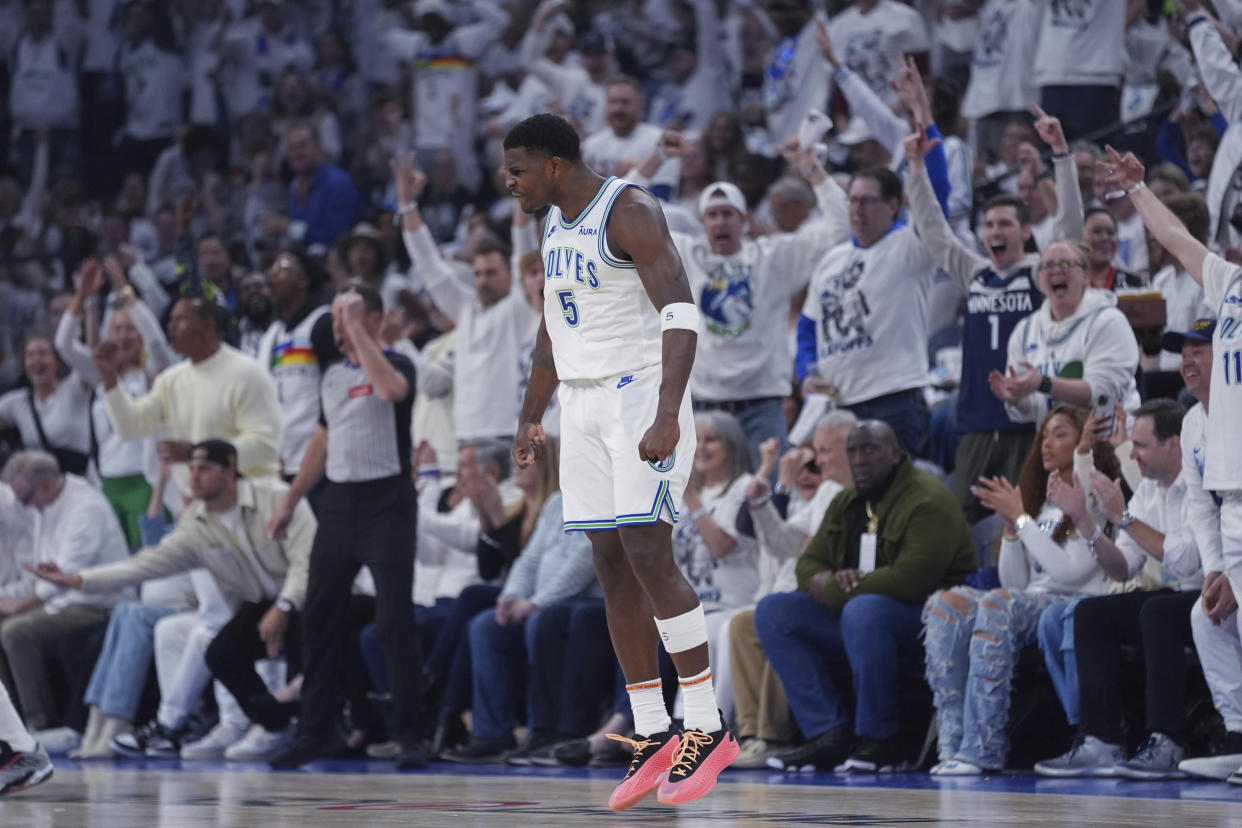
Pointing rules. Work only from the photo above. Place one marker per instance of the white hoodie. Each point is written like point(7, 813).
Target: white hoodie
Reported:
point(1094, 343)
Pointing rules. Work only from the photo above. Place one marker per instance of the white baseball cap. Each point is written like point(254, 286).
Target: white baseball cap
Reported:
point(722, 193)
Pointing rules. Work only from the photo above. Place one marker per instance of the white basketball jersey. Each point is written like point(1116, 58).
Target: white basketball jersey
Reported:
point(599, 317)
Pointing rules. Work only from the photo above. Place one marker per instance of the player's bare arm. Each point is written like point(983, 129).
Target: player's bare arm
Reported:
point(637, 230)
point(531, 441)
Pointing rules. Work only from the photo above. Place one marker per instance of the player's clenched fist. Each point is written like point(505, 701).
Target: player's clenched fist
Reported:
point(660, 441)
point(530, 444)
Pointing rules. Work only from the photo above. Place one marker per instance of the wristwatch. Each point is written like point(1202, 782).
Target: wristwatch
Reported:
point(1045, 384)
point(285, 605)
point(1126, 519)
point(1022, 522)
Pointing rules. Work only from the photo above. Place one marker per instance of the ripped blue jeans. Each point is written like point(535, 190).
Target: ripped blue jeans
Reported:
point(972, 639)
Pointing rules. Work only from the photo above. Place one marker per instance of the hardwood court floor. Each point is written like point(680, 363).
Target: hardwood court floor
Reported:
point(163, 795)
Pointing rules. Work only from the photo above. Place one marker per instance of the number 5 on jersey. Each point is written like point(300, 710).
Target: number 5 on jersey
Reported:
point(569, 307)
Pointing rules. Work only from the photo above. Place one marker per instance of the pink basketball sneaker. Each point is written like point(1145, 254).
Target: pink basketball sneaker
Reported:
point(700, 759)
point(653, 756)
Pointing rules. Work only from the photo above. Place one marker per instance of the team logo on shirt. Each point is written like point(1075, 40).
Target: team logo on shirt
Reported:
point(1071, 12)
point(727, 300)
point(865, 55)
point(843, 311)
point(993, 37)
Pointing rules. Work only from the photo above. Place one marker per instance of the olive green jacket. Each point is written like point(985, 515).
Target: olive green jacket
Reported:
point(923, 543)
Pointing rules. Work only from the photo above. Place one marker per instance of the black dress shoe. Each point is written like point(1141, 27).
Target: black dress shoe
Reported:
point(480, 751)
point(307, 747)
point(451, 732)
point(824, 752)
point(575, 753)
point(415, 756)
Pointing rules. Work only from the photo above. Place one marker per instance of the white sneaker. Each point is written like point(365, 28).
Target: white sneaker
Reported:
point(212, 746)
point(259, 744)
point(1212, 767)
point(956, 767)
point(58, 741)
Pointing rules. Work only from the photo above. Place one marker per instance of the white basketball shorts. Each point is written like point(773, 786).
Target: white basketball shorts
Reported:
point(604, 482)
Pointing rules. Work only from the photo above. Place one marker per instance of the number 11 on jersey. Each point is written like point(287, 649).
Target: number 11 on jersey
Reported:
point(1233, 367)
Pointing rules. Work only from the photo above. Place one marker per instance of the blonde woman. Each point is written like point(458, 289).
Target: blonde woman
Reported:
point(143, 352)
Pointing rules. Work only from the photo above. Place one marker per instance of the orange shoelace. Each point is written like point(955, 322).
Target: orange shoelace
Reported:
point(688, 751)
point(637, 745)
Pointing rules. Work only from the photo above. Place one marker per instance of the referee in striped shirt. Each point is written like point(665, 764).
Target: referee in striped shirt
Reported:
point(366, 518)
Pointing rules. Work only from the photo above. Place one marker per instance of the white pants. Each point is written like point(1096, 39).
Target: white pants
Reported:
point(1220, 653)
point(181, 642)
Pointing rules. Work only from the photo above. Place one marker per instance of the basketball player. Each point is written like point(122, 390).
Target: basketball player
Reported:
point(618, 334)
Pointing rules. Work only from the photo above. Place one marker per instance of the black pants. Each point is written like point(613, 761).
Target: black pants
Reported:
point(1159, 622)
point(362, 524)
point(571, 668)
point(231, 656)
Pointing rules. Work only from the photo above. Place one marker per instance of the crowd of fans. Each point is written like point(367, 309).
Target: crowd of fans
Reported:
point(267, 312)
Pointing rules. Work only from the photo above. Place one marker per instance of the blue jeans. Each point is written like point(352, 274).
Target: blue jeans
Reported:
point(970, 659)
point(428, 621)
point(905, 412)
point(1056, 642)
point(121, 669)
point(498, 661)
point(801, 636)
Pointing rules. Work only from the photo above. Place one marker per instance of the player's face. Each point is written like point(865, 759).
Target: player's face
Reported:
point(1060, 438)
point(871, 215)
point(1197, 368)
point(723, 226)
point(1004, 235)
point(527, 178)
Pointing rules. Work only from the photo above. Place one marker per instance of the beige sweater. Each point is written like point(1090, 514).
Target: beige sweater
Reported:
point(226, 396)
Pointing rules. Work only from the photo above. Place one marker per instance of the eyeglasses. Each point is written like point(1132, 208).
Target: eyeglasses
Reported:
point(865, 201)
point(1058, 267)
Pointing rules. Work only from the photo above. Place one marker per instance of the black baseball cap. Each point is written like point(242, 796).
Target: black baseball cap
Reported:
point(220, 452)
point(1200, 331)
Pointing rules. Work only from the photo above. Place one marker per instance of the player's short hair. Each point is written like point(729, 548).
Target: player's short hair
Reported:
point(890, 184)
point(1166, 416)
point(371, 299)
point(545, 134)
point(1018, 204)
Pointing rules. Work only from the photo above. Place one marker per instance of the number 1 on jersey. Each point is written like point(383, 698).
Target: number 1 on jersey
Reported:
point(1233, 367)
point(569, 307)
point(994, 323)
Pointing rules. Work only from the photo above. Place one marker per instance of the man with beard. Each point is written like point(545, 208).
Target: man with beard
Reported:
point(254, 312)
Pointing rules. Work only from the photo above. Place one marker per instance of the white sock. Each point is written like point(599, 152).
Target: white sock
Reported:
point(12, 731)
point(699, 698)
point(647, 703)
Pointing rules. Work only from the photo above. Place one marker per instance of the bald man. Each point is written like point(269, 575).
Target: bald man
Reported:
point(886, 543)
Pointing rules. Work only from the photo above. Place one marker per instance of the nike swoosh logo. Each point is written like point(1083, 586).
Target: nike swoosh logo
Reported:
point(626, 380)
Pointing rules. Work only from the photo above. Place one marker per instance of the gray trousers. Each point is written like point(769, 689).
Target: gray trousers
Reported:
point(28, 639)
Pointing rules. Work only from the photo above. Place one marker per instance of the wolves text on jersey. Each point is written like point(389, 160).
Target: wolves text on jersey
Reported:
point(569, 263)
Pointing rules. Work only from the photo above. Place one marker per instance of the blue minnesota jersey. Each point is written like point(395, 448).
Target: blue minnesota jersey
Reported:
point(994, 307)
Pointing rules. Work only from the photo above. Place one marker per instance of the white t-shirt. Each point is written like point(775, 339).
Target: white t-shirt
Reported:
point(63, 415)
point(44, 87)
point(727, 582)
point(605, 148)
point(744, 301)
point(232, 521)
point(1000, 68)
point(1132, 244)
point(154, 80)
point(1183, 304)
point(1081, 43)
point(1222, 288)
point(872, 44)
point(869, 305)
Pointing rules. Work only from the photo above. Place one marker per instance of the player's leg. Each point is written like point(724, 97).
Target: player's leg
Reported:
point(636, 641)
point(23, 762)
